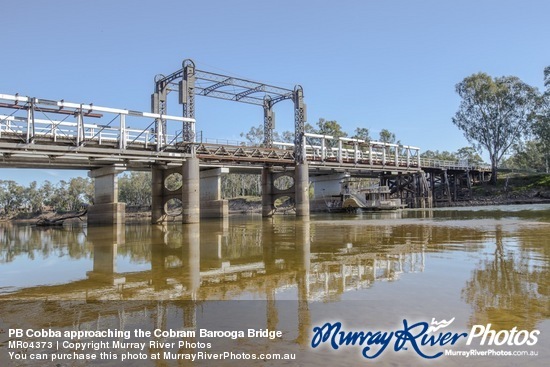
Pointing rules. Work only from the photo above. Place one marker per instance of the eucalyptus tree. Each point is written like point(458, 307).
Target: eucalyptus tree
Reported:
point(362, 133)
point(495, 113)
point(11, 196)
point(254, 136)
point(135, 187)
point(469, 154)
point(386, 136)
point(541, 127)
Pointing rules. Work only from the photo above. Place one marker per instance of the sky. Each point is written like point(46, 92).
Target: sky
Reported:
point(385, 64)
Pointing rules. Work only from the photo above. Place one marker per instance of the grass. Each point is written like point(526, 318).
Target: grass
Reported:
point(530, 181)
point(515, 183)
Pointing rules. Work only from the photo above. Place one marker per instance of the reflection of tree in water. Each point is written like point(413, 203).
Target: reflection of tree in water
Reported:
point(510, 289)
point(29, 242)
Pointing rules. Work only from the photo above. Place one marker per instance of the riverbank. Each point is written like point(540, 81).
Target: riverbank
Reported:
point(511, 190)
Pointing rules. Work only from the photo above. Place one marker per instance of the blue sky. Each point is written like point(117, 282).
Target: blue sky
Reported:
point(379, 64)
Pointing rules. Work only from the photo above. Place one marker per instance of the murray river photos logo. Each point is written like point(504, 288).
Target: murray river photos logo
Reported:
point(421, 337)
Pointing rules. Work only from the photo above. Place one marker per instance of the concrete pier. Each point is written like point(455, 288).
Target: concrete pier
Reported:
point(301, 183)
point(303, 259)
point(106, 209)
point(157, 194)
point(190, 191)
point(211, 203)
point(299, 190)
point(268, 202)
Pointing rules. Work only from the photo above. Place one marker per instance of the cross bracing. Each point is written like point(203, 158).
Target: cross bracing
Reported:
point(228, 87)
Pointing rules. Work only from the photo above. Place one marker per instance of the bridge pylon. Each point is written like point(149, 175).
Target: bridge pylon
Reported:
point(106, 209)
point(197, 193)
point(296, 189)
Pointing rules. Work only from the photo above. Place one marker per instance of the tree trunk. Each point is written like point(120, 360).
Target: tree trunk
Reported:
point(493, 172)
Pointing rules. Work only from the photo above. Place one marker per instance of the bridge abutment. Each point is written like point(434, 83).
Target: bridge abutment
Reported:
point(106, 209)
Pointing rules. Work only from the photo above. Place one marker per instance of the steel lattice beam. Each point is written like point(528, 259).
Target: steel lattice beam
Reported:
point(211, 84)
point(191, 82)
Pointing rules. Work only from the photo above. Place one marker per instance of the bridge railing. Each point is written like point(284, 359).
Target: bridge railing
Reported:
point(326, 148)
point(30, 119)
point(456, 165)
point(217, 141)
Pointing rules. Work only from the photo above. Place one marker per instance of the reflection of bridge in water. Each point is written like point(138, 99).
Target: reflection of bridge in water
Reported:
point(222, 263)
point(194, 267)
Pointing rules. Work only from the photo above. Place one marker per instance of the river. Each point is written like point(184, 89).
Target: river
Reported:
point(486, 269)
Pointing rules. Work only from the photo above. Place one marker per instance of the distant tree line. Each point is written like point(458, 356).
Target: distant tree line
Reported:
point(255, 136)
point(466, 154)
point(64, 196)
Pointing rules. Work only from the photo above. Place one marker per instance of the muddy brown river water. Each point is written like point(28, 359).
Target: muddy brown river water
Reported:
point(393, 277)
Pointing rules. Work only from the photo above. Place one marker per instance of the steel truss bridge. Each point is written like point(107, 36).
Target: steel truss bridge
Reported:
point(45, 133)
point(37, 132)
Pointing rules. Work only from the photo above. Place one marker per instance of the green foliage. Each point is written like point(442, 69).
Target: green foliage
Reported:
point(541, 127)
point(527, 156)
point(469, 154)
point(494, 113)
point(534, 154)
point(254, 136)
point(73, 195)
point(237, 185)
point(331, 127)
point(287, 137)
point(134, 188)
point(33, 197)
point(436, 154)
point(11, 196)
point(543, 181)
point(387, 136)
point(362, 133)
point(65, 196)
point(324, 127)
point(521, 182)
